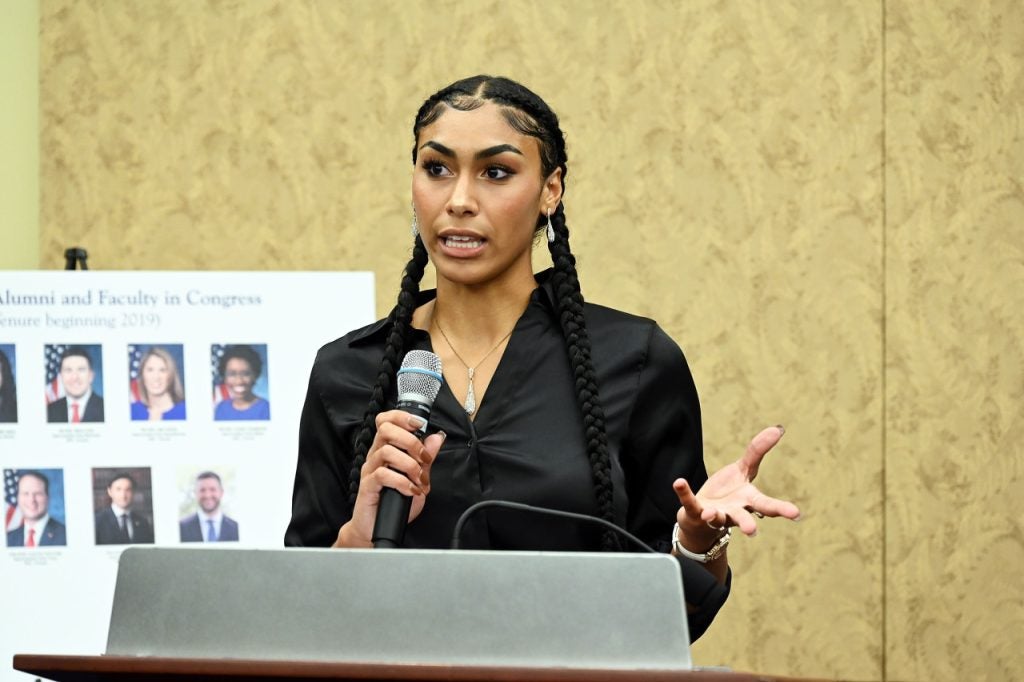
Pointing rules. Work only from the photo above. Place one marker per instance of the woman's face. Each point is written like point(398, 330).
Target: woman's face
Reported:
point(239, 378)
point(477, 191)
point(155, 376)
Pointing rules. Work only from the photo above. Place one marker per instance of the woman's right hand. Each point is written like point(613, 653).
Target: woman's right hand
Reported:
point(396, 459)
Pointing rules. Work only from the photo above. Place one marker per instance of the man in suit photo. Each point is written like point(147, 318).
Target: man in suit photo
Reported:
point(80, 403)
point(38, 528)
point(118, 524)
point(209, 523)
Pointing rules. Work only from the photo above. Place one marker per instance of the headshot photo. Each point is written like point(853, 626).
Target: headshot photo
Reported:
point(34, 508)
point(239, 382)
point(74, 383)
point(156, 384)
point(8, 389)
point(123, 501)
point(209, 522)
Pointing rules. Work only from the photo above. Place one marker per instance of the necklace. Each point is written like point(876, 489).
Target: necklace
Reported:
point(470, 405)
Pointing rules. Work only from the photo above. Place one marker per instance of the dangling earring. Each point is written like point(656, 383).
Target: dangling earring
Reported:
point(551, 230)
point(415, 225)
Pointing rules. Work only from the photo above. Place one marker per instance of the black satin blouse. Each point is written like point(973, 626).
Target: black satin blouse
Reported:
point(526, 443)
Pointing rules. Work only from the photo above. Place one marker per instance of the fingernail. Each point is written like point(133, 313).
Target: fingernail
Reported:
point(416, 422)
point(781, 428)
point(754, 534)
point(444, 436)
point(799, 517)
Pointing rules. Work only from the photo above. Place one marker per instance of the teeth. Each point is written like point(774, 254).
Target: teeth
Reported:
point(462, 242)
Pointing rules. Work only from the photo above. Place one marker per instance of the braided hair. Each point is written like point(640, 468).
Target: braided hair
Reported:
point(530, 115)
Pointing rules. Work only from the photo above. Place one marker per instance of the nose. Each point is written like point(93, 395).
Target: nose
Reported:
point(462, 200)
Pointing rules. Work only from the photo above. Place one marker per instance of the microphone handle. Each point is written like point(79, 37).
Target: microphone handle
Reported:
point(392, 518)
point(393, 508)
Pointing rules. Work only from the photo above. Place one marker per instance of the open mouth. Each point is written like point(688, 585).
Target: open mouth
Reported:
point(462, 242)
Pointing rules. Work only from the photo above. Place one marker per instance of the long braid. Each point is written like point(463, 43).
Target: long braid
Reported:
point(570, 304)
point(401, 324)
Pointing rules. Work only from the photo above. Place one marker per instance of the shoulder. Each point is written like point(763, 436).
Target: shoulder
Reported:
point(365, 341)
point(139, 411)
point(347, 367)
point(624, 333)
point(189, 520)
point(54, 525)
point(609, 320)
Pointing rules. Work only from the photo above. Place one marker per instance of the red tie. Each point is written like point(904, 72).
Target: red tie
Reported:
point(75, 417)
point(31, 542)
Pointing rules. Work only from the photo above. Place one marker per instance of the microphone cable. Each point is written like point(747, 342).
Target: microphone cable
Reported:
point(457, 533)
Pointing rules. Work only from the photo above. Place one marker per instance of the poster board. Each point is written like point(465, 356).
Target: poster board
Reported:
point(95, 357)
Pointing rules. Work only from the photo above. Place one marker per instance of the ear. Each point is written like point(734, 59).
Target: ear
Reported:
point(551, 193)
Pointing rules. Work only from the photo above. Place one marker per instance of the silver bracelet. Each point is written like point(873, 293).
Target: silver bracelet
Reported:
point(716, 549)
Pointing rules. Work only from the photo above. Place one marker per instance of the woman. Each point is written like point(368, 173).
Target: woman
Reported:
point(161, 395)
point(240, 367)
point(8, 392)
point(546, 400)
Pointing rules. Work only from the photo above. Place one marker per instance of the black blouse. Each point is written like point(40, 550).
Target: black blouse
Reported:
point(526, 443)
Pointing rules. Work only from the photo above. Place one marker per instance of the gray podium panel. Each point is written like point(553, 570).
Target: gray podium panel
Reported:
point(572, 610)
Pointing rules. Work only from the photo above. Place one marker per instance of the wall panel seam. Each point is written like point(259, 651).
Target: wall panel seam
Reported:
point(884, 345)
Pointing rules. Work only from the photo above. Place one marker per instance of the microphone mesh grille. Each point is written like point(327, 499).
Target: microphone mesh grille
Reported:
point(413, 377)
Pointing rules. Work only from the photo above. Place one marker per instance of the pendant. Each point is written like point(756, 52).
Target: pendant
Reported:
point(470, 405)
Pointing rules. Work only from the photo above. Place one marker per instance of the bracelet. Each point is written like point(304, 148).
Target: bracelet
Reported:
point(716, 549)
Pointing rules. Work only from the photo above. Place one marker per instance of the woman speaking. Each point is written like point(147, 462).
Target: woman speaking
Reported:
point(547, 400)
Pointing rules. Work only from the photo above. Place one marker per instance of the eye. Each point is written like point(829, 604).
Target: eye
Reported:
point(498, 173)
point(435, 169)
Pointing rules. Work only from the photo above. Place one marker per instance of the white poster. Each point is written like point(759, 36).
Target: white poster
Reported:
point(146, 408)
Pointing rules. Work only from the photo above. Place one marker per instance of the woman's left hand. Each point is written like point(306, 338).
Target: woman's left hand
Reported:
point(729, 498)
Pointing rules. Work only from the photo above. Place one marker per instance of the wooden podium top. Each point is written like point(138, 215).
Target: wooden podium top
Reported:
point(132, 668)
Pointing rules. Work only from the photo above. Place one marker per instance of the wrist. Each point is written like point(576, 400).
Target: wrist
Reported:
point(696, 536)
point(707, 553)
point(350, 538)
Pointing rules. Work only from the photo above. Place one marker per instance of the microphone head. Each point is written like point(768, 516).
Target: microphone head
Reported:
point(420, 375)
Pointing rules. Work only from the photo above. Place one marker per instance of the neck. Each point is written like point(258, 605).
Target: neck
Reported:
point(478, 314)
point(161, 401)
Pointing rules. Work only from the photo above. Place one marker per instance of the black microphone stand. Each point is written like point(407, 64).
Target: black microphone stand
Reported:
point(74, 257)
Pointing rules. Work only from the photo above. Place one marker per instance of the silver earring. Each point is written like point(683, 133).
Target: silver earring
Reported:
point(551, 230)
point(415, 226)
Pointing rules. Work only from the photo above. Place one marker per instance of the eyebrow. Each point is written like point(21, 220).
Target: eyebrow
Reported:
point(482, 154)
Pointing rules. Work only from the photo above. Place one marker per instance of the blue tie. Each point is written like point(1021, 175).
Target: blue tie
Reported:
point(211, 532)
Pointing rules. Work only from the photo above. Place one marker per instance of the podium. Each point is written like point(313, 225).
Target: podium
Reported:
point(232, 614)
point(148, 669)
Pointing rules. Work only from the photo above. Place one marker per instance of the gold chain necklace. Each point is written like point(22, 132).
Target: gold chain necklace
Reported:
point(470, 405)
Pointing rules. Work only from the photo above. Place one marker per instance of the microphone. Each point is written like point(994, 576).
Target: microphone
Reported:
point(419, 381)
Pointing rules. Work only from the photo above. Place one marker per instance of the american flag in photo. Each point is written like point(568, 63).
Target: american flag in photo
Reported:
point(220, 391)
point(12, 515)
point(54, 387)
point(134, 362)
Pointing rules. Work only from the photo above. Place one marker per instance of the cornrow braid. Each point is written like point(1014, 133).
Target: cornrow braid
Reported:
point(574, 329)
point(401, 326)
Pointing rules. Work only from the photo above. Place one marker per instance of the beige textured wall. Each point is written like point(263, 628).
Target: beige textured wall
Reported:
point(732, 173)
point(19, 135)
point(955, 339)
